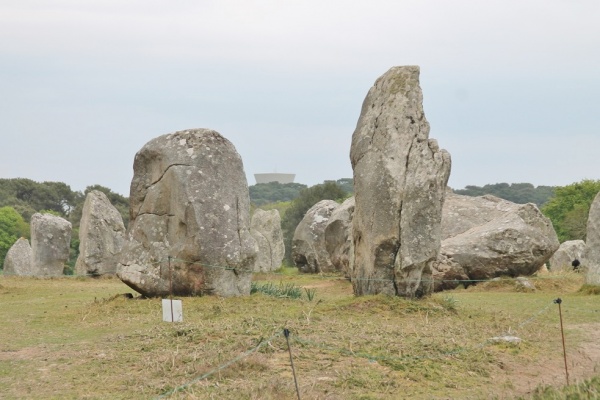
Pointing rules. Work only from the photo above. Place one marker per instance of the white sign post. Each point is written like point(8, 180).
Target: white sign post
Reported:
point(172, 310)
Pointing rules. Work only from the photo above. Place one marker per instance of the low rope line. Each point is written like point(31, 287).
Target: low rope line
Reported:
point(219, 368)
point(245, 270)
point(536, 315)
point(229, 268)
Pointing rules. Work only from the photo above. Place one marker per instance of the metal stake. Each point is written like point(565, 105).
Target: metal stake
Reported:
point(286, 332)
point(558, 301)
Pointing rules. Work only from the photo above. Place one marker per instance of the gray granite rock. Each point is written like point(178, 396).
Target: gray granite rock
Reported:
point(400, 178)
point(265, 227)
point(101, 236)
point(18, 260)
point(562, 259)
point(591, 264)
point(338, 237)
point(189, 204)
point(309, 253)
point(50, 244)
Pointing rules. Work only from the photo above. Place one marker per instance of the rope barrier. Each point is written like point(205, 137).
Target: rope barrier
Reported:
point(433, 280)
point(355, 279)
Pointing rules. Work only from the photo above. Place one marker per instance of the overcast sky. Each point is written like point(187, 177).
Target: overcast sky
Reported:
point(511, 87)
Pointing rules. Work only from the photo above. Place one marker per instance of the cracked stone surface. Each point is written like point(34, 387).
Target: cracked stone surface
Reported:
point(265, 227)
point(101, 235)
point(400, 178)
point(189, 218)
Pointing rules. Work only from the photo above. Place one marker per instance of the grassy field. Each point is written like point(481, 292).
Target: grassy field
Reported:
point(80, 338)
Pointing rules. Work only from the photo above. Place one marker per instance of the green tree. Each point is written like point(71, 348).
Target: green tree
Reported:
point(520, 193)
point(347, 184)
point(272, 192)
point(12, 227)
point(28, 197)
point(300, 205)
point(569, 208)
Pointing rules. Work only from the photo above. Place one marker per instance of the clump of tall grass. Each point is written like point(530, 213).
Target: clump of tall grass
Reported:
point(288, 290)
point(588, 389)
point(590, 289)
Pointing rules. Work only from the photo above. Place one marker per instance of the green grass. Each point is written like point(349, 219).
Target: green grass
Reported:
point(588, 389)
point(73, 338)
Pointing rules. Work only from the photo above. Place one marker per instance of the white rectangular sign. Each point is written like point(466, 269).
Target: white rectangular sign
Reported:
point(177, 310)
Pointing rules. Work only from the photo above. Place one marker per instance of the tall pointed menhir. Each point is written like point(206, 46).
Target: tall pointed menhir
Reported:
point(400, 177)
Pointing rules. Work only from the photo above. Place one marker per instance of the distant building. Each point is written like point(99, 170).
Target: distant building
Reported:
point(274, 177)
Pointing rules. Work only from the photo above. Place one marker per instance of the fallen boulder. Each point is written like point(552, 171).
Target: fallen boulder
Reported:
point(309, 253)
point(514, 242)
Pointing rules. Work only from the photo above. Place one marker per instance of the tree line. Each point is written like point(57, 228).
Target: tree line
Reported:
point(520, 193)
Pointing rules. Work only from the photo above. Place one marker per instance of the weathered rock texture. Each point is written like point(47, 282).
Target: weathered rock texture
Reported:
point(265, 227)
point(18, 260)
point(591, 266)
point(189, 201)
point(308, 244)
point(400, 178)
point(50, 244)
point(461, 213)
point(101, 236)
point(447, 274)
point(499, 237)
point(338, 237)
point(568, 251)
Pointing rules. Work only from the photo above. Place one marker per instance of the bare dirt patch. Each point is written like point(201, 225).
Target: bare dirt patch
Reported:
point(583, 362)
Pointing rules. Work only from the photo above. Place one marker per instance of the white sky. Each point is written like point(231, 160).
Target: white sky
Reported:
point(511, 87)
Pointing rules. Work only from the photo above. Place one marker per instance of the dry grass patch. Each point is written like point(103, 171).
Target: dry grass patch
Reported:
point(73, 338)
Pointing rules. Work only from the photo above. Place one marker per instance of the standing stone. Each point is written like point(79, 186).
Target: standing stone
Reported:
point(338, 237)
point(101, 236)
point(50, 244)
point(18, 260)
point(265, 227)
point(591, 264)
point(400, 178)
point(190, 209)
point(308, 244)
point(568, 251)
